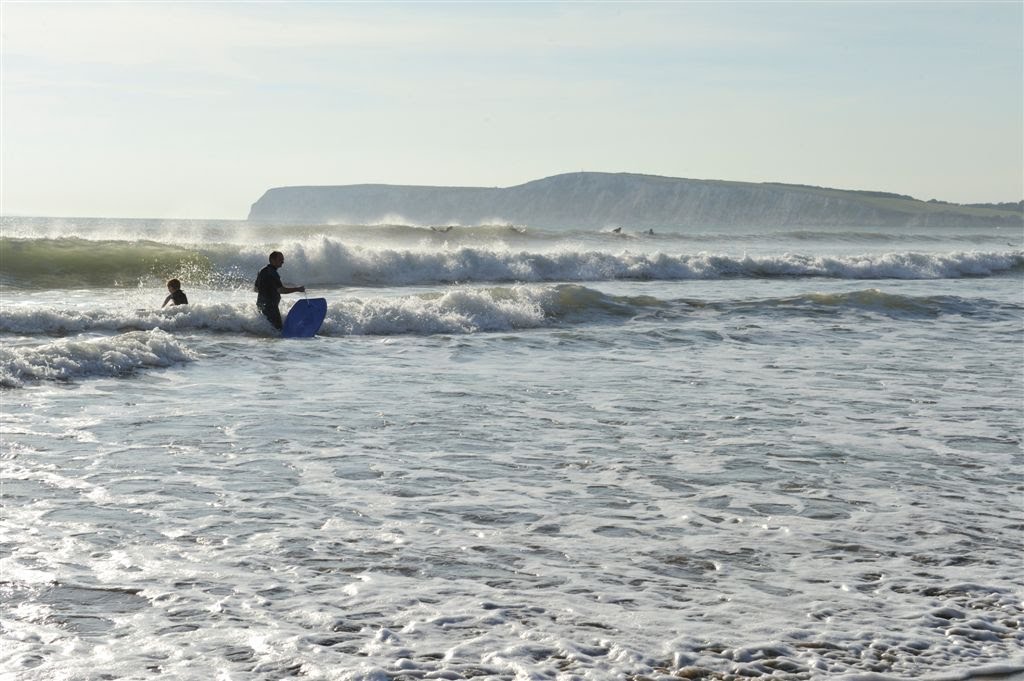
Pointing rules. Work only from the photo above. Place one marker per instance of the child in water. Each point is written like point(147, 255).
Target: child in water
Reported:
point(177, 296)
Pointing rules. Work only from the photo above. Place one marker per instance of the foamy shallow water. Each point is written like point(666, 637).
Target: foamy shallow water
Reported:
point(738, 478)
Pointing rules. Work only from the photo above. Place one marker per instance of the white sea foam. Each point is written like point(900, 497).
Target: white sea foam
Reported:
point(465, 310)
point(71, 359)
point(732, 475)
point(58, 320)
point(455, 311)
point(329, 261)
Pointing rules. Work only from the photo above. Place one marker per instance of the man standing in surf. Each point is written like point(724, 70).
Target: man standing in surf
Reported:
point(269, 288)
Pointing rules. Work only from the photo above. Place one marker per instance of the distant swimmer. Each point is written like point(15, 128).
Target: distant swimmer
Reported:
point(269, 288)
point(650, 232)
point(442, 229)
point(177, 296)
point(617, 230)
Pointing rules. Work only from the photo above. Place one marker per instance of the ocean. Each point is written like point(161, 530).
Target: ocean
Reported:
point(512, 453)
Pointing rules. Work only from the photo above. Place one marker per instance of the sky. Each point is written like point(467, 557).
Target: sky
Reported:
point(194, 109)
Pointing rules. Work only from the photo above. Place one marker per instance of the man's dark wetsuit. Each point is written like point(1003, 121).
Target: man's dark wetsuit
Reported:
point(268, 294)
point(178, 298)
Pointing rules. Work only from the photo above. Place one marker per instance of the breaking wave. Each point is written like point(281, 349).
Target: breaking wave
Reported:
point(473, 310)
point(327, 261)
point(73, 359)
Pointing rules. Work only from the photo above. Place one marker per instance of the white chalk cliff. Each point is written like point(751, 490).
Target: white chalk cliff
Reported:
point(598, 200)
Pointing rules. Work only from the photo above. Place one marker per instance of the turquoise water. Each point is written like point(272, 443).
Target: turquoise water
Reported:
point(512, 454)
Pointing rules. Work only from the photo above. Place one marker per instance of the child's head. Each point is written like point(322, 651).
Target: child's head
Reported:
point(173, 285)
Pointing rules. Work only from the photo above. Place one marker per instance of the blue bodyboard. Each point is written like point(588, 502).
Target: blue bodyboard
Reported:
point(305, 318)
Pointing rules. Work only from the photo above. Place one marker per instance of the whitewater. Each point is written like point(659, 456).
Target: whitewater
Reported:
point(512, 453)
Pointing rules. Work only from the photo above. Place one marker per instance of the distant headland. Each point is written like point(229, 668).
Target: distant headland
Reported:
point(590, 200)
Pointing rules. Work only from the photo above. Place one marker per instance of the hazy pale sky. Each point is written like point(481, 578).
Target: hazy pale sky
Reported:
point(194, 109)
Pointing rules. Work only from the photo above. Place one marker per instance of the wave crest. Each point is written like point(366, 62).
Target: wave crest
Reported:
point(329, 261)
